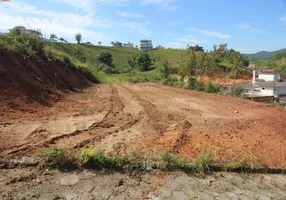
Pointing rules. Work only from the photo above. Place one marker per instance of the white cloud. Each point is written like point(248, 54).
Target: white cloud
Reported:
point(131, 15)
point(214, 34)
point(243, 26)
point(84, 5)
point(168, 5)
point(174, 23)
point(283, 18)
point(191, 39)
point(177, 45)
point(247, 27)
point(61, 23)
point(211, 33)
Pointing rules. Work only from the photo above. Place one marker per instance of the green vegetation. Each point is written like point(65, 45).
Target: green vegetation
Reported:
point(263, 55)
point(56, 158)
point(28, 44)
point(201, 164)
point(78, 37)
point(277, 63)
point(119, 64)
point(98, 160)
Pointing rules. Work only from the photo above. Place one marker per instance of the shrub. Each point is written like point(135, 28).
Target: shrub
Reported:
point(99, 160)
point(203, 162)
point(56, 158)
point(237, 90)
point(171, 162)
point(18, 41)
point(109, 70)
point(212, 88)
point(88, 74)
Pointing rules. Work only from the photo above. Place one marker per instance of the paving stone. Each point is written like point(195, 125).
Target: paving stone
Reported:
point(179, 195)
point(164, 192)
point(205, 196)
point(70, 179)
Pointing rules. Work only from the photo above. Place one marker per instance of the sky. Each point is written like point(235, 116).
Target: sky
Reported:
point(245, 25)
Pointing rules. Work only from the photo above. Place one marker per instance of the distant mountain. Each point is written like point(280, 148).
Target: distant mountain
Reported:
point(263, 55)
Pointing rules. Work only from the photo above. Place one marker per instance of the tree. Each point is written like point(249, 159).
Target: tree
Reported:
point(53, 37)
point(165, 69)
point(132, 62)
point(78, 37)
point(99, 43)
point(105, 58)
point(236, 65)
point(61, 39)
point(144, 62)
point(191, 65)
point(112, 43)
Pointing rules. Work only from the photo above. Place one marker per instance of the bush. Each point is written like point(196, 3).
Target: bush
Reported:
point(138, 79)
point(109, 70)
point(203, 162)
point(18, 41)
point(171, 162)
point(88, 74)
point(237, 90)
point(56, 158)
point(100, 161)
point(212, 88)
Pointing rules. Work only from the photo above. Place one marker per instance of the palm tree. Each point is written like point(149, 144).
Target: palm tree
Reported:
point(61, 39)
point(78, 37)
point(53, 37)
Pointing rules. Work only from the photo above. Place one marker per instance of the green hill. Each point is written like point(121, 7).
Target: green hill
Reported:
point(277, 63)
point(263, 55)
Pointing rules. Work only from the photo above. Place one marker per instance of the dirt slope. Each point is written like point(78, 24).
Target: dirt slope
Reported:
point(28, 84)
point(149, 119)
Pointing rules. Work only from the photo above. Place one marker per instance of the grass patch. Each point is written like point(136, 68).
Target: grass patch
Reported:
point(97, 159)
point(203, 162)
point(171, 162)
point(57, 158)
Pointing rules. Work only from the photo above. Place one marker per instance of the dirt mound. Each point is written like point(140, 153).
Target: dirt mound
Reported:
point(27, 83)
point(149, 119)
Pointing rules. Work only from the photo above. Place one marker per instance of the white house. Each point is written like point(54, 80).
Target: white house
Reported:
point(271, 88)
point(145, 45)
point(268, 75)
point(129, 45)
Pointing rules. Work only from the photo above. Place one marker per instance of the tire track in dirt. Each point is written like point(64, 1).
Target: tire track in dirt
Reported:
point(44, 133)
point(163, 124)
point(113, 122)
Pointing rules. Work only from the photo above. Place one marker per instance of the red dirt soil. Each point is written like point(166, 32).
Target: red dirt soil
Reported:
point(28, 84)
point(148, 119)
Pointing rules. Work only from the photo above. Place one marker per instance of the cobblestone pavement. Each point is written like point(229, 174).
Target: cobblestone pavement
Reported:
point(28, 183)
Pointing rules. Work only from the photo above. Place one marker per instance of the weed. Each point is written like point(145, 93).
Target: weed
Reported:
point(101, 161)
point(212, 88)
point(56, 158)
point(203, 162)
point(171, 162)
point(244, 176)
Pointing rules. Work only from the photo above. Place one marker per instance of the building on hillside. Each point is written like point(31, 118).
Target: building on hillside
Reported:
point(268, 75)
point(129, 45)
point(268, 84)
point(145, 45)
point(116, 44)
point(197, 48)
point(89, 43)
point(271, 88)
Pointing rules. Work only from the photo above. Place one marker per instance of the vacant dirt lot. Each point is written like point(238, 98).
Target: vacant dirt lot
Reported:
point(149, 119)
